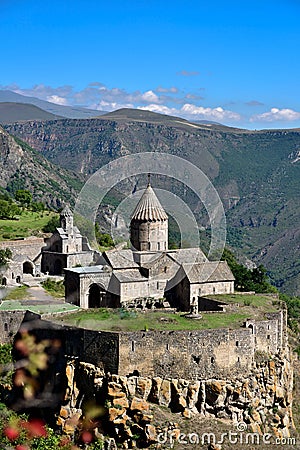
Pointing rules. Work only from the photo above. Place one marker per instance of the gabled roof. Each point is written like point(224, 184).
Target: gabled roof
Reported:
point(129, 276)
point(208, 272)
point(187, 255)
point(149, 207)
point(120, 259)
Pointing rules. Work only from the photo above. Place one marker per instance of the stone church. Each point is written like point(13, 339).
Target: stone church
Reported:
point(148, 274)
point(66, 247)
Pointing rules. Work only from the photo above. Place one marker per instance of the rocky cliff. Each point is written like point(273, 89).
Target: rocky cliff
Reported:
point(23, 168)
point(258, 404)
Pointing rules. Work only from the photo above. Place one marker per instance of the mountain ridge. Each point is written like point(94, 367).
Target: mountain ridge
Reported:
point(72, 112)
point(18, 112)
point(255, 172)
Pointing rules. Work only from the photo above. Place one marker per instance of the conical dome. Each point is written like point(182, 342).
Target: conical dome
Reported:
point(149, 208)
point(66, 212)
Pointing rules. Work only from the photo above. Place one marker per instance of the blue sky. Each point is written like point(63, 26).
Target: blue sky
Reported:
point(234, 62)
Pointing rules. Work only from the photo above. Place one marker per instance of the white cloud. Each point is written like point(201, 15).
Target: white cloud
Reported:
point(57, 99)
point(189, 111)
point(276, 114)
point(171, 90)
point(150, 96)
point(162, 109)
point(209, 113)
point(100, 97)
point(110, 106)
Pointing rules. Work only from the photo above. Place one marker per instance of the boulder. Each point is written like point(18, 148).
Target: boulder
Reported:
point(139, 404)
point(164, 397)
point(115, 390)
point(143, 387)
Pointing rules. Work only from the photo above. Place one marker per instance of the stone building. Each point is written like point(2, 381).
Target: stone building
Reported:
point(148, 273)
point(66, 247)
point(25, 261)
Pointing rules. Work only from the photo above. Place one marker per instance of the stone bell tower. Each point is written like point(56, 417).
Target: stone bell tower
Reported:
point(66, 219)
point(149, 223)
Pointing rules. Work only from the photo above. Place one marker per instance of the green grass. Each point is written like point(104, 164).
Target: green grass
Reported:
point(243, 307)
point(29, 223)
point(264, 302)
point(118, 320)
point(15, 305)
point(54, 288)
point(17, 293)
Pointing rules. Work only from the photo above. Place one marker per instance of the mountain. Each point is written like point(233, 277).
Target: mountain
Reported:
point(256, 173)
point(17, 112)
point(22, 167)
point(71, 112)
point(140, 115)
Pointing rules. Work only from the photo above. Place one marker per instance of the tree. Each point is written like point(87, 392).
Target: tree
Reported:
point(37, 206)
point(103, 239)
point(24, 197)
point(5, 255)
point(248, 279)
point(51, 225)
point(8, 209)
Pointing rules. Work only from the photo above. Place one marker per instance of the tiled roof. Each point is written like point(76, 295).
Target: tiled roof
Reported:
point(129, 275)
point(149, 207)
point(187, 255)
point(66, 212)
point(208, 272)
point(120, 259)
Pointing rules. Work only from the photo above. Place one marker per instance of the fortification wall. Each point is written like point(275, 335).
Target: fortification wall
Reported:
point(186, 354)
point(10, 322)
point(193, 355)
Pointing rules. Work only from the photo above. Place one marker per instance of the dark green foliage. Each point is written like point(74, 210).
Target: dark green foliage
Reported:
point(174, 235)
point(8, 209)
point(55, 288)
point(37, 206)
point(5, 353)
point(24, 197)
point(51, 225)
point(103, 239)
point(5, 255)
point(293, 305)
point(248, 279)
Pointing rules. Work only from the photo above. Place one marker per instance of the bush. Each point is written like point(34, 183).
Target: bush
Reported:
point(55, 288)
point(51, 225)
point(5, 353)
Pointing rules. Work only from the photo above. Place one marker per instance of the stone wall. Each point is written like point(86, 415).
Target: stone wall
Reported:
point(192, 355)
point(200, 353)
point(30, 247)
point(10, 322)
point(186, 354)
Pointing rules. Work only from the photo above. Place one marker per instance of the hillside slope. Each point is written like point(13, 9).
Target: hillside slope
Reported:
point(73, 112)
point(256, 173)
point(16, 112)
point(23, 168)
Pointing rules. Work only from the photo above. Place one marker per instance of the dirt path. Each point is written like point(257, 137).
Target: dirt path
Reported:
point(39, 296)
